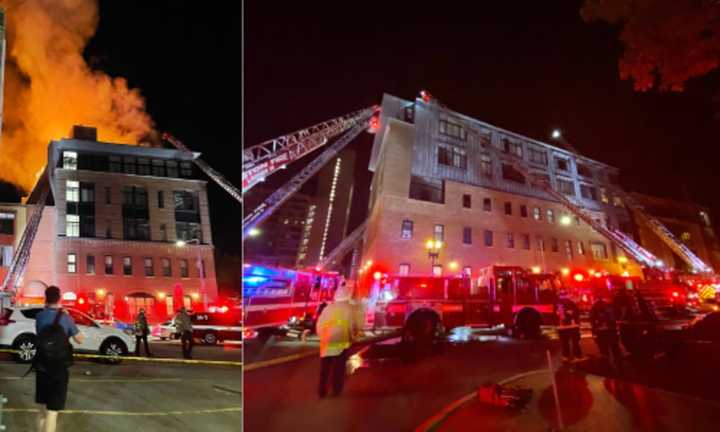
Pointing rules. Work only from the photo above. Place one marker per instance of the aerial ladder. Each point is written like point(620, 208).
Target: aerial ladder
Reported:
point(352, 125)
point(17, 267)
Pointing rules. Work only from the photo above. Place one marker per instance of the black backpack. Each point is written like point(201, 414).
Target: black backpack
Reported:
point(54, 351)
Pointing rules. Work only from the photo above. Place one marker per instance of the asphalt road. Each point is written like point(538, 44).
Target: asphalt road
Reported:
point(137, 395)
point(387, 391)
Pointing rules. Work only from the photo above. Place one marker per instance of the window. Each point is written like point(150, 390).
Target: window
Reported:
point(410, 113)
point(467, 201)
point(467, 235)
point(129, 165)
point(554, 245)
point(87, 226)
point(485, 137)
point(588, 192)
point(523, 211)
point(566, 186)
point(134, 196)
point(404, 269)
point(163, 232)
point(485, 165)
point(406, 231)
point(72, 191)
point(568, 250)
point(90, 264)
point(540, 244)
point(149, 267)
point(539, 181)
point(453, 130)
point(136, 229)
point(127, 266)
point(115, 164)
point(584, 170)
point(143, 165)
point(427, 189)
point(439, 233)
point(526, 241)
point(488, 238)
point(536, 213)
point(562, 164)
point(108, 264)
point(186, 169)
point(510, 243)
point(512, 147)
point(550, 216)
point(598, 250)
point(451, 155)
point(158, 168)
point(72, 225)
point(71, 263)
point(188, 231)
point(487, 204)
point(108, 195)
point(166, 267)
point(161, 199)
point(604, 196)
point(437, 270)
point(7, 223)
point(511, 174)
point(537, 156)
point(70, 160)
point(508, 208)
point(171, 168)
point(184, 268)
point(87, 192)
point(581, 248)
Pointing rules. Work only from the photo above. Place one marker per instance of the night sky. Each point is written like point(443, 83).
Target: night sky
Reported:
point(524, 66)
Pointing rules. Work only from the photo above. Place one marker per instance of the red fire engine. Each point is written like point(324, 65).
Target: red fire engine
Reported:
point(274, 297)
point(423, 305)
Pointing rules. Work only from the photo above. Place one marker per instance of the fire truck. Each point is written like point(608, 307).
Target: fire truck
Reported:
point(424, 306)
point(274, 297)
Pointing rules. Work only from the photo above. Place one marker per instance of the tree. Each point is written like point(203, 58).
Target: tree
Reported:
point(667, 42)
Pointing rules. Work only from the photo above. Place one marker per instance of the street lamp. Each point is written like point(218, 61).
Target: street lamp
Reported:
point(433, 247)
point(556, 134)
point(201, 268)
point(254, 232)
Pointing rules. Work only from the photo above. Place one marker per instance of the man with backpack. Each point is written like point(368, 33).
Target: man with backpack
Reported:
point(54, 328)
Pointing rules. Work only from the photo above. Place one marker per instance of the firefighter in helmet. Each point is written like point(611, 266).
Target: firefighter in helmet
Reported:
point(569, 327)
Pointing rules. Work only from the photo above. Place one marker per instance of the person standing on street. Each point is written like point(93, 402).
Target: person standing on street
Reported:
point(604, 328)
point(183, 324)
point(337, 326)
point(569, 329)
point(54, 328)
point(142, 330)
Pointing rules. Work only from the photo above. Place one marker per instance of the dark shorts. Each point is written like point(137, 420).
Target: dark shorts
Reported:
point(51, 389)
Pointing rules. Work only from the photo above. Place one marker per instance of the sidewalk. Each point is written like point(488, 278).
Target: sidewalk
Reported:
point(589, 403)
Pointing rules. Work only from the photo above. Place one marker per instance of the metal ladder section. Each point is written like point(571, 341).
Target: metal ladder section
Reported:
point(277, 198)
point(665, 235)
point(207, 169)
point(262, 160)
point(22, 254)
point(344, 247)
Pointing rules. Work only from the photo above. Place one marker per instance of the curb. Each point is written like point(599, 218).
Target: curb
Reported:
point(434, 421)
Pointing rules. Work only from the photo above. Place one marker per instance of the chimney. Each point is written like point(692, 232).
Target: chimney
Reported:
point(85, 133)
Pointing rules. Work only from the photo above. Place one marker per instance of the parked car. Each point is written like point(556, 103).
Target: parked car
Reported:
point(211, 328)
point(17, 330)
point(164, 331)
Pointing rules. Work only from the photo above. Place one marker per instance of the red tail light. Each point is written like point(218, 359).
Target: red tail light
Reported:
point(4, 321)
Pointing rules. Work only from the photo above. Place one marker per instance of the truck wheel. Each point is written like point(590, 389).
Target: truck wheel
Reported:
point(528, 324)
point(420, 329)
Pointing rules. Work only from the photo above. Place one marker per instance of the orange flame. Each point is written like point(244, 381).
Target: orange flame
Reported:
point(49, 87)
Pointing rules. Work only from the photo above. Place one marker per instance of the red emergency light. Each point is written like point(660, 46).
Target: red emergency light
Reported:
point(377, 275)
point(579, 277)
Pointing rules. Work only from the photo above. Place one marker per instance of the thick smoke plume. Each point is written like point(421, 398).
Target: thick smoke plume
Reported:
point(49, 87)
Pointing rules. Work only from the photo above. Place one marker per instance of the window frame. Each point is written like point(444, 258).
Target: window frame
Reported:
point(71, 260)
point(406, 229)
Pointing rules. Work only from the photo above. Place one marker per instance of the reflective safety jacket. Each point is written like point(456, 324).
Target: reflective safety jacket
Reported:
point(337, 326)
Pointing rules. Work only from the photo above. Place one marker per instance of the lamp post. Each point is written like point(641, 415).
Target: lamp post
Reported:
point(201, 268)
point(433, 247)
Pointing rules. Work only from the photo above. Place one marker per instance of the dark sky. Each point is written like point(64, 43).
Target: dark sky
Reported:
point(524, 66)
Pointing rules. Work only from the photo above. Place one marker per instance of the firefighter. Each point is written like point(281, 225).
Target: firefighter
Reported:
point(569, 328)
point(604, 328)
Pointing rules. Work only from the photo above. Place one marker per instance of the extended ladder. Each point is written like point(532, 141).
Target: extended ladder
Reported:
point(344, 247)
point(22, 254)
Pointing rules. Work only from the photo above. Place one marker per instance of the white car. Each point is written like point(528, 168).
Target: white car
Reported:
point(164, 331)
point(17, 330)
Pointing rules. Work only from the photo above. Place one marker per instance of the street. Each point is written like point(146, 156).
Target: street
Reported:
point(385, 390)
point(140, 395)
